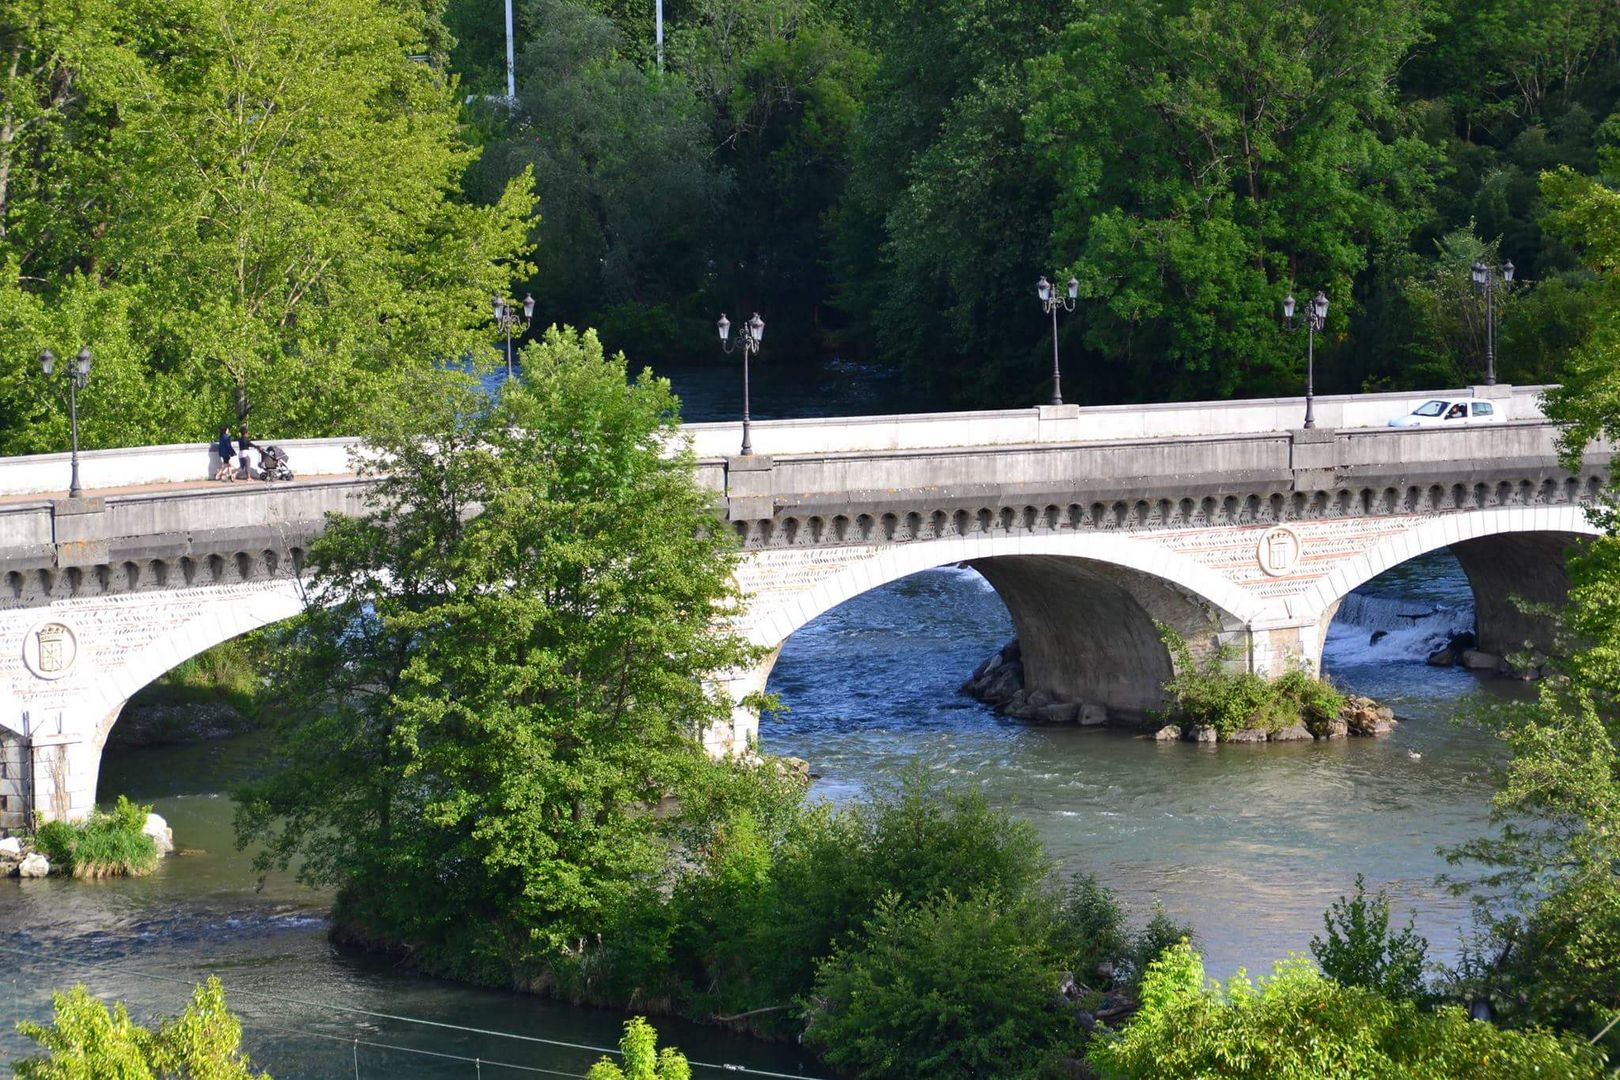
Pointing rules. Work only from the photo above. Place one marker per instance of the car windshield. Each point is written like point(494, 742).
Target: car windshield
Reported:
point(1430, 408)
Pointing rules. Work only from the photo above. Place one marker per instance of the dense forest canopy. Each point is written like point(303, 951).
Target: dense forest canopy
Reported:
point(289, 205)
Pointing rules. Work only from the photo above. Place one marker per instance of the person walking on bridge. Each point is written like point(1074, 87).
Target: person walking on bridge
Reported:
point(243, 445)
point(226, 453)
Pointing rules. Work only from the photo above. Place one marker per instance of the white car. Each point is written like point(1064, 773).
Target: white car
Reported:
point(1445, 412)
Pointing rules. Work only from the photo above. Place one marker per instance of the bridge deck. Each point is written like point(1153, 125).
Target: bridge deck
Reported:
point(172, 486)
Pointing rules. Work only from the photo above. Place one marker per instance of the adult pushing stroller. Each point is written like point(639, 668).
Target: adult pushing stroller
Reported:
point(273, 463)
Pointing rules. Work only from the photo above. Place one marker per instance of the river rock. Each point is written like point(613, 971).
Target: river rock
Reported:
point(1293, 733)
point(1336, 728)
point(163, 836)
point(1037, 698)
point(1168, 733)
point(1480, 660)
point(1442, 658)
point(1059, 712)
point(34, 865)
point(11, 848)
point(1204, 733)
point(1247, 735)
point(1093, 715)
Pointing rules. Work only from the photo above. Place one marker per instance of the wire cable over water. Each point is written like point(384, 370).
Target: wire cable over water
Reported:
point(742, 1070)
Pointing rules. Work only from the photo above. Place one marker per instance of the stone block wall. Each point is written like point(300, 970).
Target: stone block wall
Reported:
point(14, 780)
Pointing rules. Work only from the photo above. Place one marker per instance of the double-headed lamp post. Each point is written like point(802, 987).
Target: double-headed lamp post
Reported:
point(1051, 302)
point(509, 317)
point(1485, 281)
point(753, 334)
point(1315, 319)
point(76, 374)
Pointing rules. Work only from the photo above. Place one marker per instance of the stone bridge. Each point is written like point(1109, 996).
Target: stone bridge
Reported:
point(1093, 524)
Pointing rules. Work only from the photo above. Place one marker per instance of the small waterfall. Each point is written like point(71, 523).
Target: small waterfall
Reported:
point(1406, 628)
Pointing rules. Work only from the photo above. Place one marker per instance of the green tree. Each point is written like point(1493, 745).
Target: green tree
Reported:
point(641, 1060)
point(510, 661)
point(87, 1041)
point(949, 988)
point(1298, 1025)
point(248, 203)
point(627, 181)
point(1359, 950)
point(1211, 156)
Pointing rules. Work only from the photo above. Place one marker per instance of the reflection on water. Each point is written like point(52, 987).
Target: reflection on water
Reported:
point(1248, 843)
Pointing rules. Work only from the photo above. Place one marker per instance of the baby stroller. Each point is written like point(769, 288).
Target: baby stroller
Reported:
point(273, 463)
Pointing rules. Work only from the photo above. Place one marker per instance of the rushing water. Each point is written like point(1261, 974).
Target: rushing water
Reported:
point(1248, 843)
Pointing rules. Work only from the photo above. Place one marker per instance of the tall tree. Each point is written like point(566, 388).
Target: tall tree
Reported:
point(266, 196)
point(1213, 155)
point(508, 665)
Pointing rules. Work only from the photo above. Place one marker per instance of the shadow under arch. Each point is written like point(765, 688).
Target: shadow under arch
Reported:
point(1084, 606)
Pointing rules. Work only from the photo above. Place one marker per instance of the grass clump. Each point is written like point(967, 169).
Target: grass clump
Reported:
point(1203, 693)
point(110, 844)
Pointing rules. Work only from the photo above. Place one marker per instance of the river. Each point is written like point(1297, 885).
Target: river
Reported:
point(1247, 843)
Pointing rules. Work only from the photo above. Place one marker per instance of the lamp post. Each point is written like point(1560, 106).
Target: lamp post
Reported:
point(1051, 302)
point(753, 334)
point(1485, 281)
point(507, 317)
point(1315, 319)
point(76, 374)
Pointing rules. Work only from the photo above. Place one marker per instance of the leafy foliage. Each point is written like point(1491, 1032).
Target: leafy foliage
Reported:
point(1204, 692)
point(1299, 1025)
point(110, 843)
point(950, 988)
point(236, 205)
point(506, 663)
point(1359, 950)
point(87, 1041)
point(641, 1060)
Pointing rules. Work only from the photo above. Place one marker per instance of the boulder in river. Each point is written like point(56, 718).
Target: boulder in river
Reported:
point(1168, 733)
point(11, 849)
point(1093, 715)
point(161, 834)
point(34, 865)
point(1293, 733)
point(1442, 658)
point(1205, 733)
point(1480, 660)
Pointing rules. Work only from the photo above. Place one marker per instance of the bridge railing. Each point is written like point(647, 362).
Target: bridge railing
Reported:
point(1071, 423)
point(134, 467)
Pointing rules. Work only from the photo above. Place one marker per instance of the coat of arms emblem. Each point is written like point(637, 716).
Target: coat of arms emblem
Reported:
point(50, 649)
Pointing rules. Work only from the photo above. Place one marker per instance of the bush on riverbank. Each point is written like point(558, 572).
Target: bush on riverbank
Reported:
point(1300, 1025)
point(87, 1040)
point(1203, 693)
point(111, 843)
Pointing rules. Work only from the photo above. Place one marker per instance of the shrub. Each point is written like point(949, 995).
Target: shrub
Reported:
point(1202, 692)
point(109, 844)
point(1300, 1025)
point(946, 989)
point(641, 1060)
point(1359, 949)
point(86, 1039)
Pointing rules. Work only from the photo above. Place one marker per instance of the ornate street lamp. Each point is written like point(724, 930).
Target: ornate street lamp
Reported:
point(76, 374)
point(1485, 280)
point(1052, 302)
point(1315, 319)
point(753, 334)
point(509, 317)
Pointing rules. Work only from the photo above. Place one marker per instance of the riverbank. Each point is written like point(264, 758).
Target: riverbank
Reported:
point(213, 695)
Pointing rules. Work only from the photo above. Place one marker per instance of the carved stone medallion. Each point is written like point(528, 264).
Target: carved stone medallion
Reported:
point(50, 649)
point(1279, 551)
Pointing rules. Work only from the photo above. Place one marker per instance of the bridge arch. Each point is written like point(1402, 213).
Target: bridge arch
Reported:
point(1084, 605)
point(1506, 552)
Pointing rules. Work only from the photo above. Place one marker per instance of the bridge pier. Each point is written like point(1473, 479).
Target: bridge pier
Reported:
point(1089, 631)
point(1508, 570)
